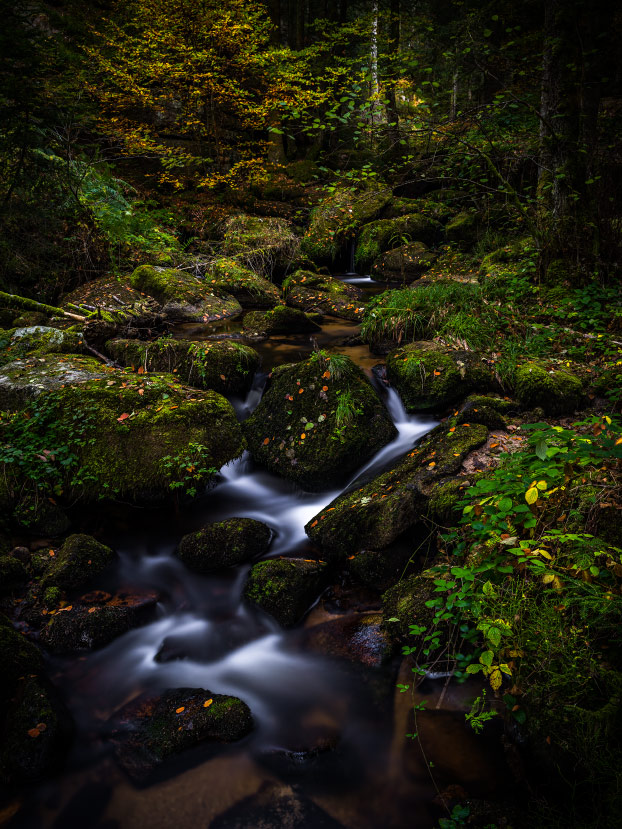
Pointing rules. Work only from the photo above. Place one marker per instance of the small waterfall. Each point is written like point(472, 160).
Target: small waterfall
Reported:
point(351, 254)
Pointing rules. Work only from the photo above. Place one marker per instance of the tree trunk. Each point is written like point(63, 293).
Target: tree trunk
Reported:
point(373, 68)
point(393, 50)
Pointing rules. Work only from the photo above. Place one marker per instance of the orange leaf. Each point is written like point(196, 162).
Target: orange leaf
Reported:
point(141, 391)
point(453, 429)
point(302, 436)
point(266, 441)
point(314, 524)
point(123, 417)
point(300, 391)
point(222, 377)
point(92, 609)
point(141, 370)
point(179, 710)
point(52, 553)
point(324, 388)
point(33, 732)
point(207, 703)
point(174, 407)
point(492, 445)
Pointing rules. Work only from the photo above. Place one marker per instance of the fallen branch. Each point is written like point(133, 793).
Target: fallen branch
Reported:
point(22, 303)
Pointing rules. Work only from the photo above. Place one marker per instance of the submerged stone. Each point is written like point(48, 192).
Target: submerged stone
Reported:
point(285, 587)
point(151, 729)
point(224, 544)
point(318, 421)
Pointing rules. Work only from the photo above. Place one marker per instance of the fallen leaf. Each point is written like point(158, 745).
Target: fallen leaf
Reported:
point(266, 441)
point(123, 417)
point(207, 703)
point(180, 709)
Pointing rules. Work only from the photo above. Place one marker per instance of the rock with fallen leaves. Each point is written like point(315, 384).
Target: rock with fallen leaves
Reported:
point(80, 558)
point(224, 544)
point(285, 587)
point(150, 729)
point(310, 291)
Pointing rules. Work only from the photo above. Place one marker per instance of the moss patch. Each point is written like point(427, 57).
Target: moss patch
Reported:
point(80, 558)
point(224, 544)
point(285, 587)
point(310, 291)
point(380, 236)
point(226, 276)
point(557, 392)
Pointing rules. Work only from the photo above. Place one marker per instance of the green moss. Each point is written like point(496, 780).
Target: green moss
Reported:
point(380, 236)
point(406, 602)
point(463, 229)
point(52, 597)
point(285, 587)
point(80, 558)
point(557, 392)
point(37, 341)
point(228, 276)
point(429, 377)
point(18, 658)
point(444, 499)
point(281, 320)
point(310, 291)
point(318, 421)
point(403, 264)
point(224, 544)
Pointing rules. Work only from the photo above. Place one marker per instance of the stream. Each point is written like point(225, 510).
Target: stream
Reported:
point(206, 636)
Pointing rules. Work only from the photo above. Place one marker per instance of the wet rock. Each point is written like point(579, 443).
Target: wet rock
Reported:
point(36, 733)
point(379, 570)
point(373, 516)
point(79, 560)
point(133, 436)
point(335, 220)
point(225, 544)
point(316, 755)
point(403, 264)
point(41, 516)
point(227, 277)
point(310, 291)
point(224, 366)
point(429, 376)
point(357, 637)
point(37, 341)
point(384, 235)
point(281, 320)
point(275, 807)
point(318, 421)
point(557, 392)
point(405, 604)
point(265, 244)
point(95, 620)
point(487, 410)
point(13, 574)
point(183, 296)
point(115, 298)
point(285, 587)
point(151, 729)
point(21, 553)
point(18, 658)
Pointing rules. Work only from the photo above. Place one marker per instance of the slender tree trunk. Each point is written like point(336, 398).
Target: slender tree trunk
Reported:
point(274, 10)
point(374, 79)
point(394, 47)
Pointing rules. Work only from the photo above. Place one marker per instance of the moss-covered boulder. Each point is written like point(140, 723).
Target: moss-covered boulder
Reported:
point(36, 733)
point(281, 320)
point(35, 341)
point(111, 295)
point(376, 514)
point(337, 218)
point(41, 516)
point(557, 392)
point(266, 244)
point(429, 376)
point(318, 421)
point(18, 657)
point(405, 605)
point(316, 292)
point(403, 264)
point(488, 410)
point(285, 587)
point(13, 574)
point(463, 229)
point(443, 505)
point(224, 544)
point(151, 729)
point(80, 558)
point(227, 276)
point(225, 366)
point(428, 208)
point(383, 235)
point(131, 435)
point(95, 619)
point(183, 296)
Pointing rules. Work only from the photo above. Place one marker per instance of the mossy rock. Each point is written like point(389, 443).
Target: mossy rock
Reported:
point(225, 366)
point(18, 657)
point(383, 235)
point(133, 434)
point(80, 558)
point(310, 291)
point(37, 732)
point(95, 620)
point(486, 410)
point(285, 587)
point(113, 295)
point(429, 377)
point(41, 516)
point(318, 422)
point(281, 320)
point(403, 264)
point(337, 218)
point(224, 544)
point(29, 319)
point(226, 276)
point(154, 728)
point(13, 574)
point(183, 296)
point(463, 229)
point(376, 514)
point(406, 603)
point(35, 341)
point(557, 392)
point(266, 244)
point(509, 254)
point(427, 208)
point(442, 507)
point(356, 637)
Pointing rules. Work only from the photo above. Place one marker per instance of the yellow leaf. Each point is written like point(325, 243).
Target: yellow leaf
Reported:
point(548, 578)
point(544, 553)
point(495, 679)
point(541, 485)
point(531, 496)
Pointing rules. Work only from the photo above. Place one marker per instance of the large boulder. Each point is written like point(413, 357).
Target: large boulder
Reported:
point(224, 544)
point(151, 729)
point(112, 296)
point(383, 235)
point(337, 218)
point(80, 558)
point(429, 376)
point(225, 366)
point(183, 296)
point(376, 514)
point(227, 276)
point(463, 229)
point(556, 391)
point(285, 587)
point(281, 320)
point(102, 431)
point(403, 264)
point(316, 292)
point(37, 340)
point(318, 421)
point(265, 244)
